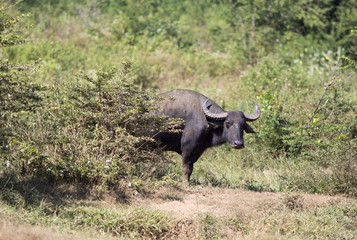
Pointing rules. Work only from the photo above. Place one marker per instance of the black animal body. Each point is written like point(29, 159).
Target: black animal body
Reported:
point(205, 125)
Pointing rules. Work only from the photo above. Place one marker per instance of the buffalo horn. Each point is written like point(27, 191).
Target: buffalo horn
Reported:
point(255, 115)
point(211, 115)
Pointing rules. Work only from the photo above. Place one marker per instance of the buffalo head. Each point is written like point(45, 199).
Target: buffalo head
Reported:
point(231, 123)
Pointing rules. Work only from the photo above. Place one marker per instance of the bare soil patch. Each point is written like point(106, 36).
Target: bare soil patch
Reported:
point(217, 213)
point(203, 213)
point(231, 202)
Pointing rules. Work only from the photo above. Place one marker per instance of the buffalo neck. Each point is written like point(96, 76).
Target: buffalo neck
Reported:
point(218, 137)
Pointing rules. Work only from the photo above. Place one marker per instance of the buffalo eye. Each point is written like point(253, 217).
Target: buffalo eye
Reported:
point(228, 124)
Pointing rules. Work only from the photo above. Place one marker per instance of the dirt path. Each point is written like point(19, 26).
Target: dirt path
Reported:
point(232, 202)
point(216, 213)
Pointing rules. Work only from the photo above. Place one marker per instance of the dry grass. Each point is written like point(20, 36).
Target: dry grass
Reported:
point(19, 231)
point(193, 213)
point(222, 202)
point(216, 213)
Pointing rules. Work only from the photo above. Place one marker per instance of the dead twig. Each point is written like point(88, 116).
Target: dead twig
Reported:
point(11, 6)
point(332, 83)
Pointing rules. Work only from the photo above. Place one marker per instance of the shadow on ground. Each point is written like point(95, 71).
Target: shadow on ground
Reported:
point(32, 192)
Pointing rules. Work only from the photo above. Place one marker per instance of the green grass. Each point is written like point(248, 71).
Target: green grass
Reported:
point(36, 203)
point(132, 223)
point(74, 210)
point(199, 46)
point(62, 167)
point(331, 222)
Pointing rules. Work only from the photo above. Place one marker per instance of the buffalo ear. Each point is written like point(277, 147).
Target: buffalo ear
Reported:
point(248, 129)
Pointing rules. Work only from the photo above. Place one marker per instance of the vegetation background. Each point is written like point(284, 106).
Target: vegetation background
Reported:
point(75, 76)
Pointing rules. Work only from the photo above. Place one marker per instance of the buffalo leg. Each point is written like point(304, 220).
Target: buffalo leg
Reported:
point(187, 165)
point(191, 136)
point(187, 168)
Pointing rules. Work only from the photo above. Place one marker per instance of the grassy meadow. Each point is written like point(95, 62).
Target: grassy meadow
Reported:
point(75, 76)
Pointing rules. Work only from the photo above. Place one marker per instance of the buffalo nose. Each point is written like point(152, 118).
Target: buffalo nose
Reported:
point(238, 144)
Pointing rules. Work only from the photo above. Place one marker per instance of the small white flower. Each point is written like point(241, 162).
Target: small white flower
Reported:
point(8, 164)
point(129, 184)
point(108, 161)
point(22, 150)
point(61, 175)
point(106, 167)
point(89, 162)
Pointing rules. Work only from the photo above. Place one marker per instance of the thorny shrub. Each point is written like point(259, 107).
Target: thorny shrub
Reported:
point(97, 131)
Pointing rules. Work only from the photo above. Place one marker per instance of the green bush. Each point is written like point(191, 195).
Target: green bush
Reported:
point(19, 94)
point(96, 132)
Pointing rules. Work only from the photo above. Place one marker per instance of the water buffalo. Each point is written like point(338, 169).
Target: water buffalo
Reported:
point(205, 125)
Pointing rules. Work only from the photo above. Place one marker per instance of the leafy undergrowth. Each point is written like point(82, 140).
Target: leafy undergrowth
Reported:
point(73, 151)
point(172, 213)
point(71, 112)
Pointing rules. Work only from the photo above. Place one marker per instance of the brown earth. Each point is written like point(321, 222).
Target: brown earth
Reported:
point(189, 207)
point(194, 208)
point(230, 202)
